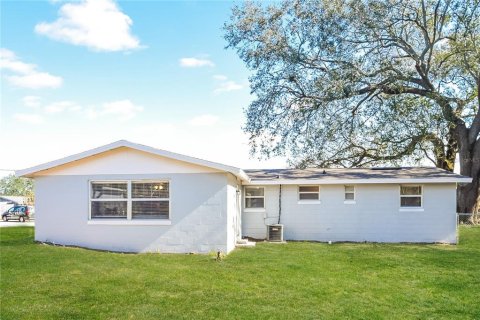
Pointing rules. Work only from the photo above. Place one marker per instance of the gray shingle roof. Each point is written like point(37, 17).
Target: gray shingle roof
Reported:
point(350, 173)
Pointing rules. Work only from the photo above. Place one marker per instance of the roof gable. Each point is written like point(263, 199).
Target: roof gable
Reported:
point(127, 157)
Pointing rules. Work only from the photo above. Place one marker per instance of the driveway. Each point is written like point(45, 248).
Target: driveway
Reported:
point(4, 224)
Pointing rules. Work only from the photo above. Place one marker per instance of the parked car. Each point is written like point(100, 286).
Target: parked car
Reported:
point(20, 213)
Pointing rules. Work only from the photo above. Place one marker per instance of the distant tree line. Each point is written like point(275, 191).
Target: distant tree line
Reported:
point(15, 186)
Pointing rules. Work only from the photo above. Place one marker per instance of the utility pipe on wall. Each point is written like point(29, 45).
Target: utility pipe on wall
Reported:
point(279, 203)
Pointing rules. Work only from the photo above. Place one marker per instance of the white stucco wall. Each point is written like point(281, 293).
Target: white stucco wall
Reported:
point(200, 205)
point(198, 215)
point(375, 216)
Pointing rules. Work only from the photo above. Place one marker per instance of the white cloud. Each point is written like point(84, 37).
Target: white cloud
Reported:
point(195, 62)
point(97, 24)
point(61, 106)
point(121, 110)
point(204, 120)
point(7, 54)
point(125, 109)
point(31, 101)
point(28, 118)
point(225, 85)
point(36, 80)
point(26, 75)
point(220, 77)
point(9, 61)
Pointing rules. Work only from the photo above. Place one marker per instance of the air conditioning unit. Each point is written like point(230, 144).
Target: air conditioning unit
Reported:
point(275, 232)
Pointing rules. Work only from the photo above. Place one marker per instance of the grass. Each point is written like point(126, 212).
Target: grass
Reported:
point(299, 280)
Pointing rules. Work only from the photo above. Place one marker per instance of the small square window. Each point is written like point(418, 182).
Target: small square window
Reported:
point(411, 196)
point(254, 197)
point(349, 193)
point(308, 193)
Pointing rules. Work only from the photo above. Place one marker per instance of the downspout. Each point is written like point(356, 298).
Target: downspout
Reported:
point(279, 203)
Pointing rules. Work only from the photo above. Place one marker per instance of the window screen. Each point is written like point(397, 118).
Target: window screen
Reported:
point(349, 193)
point(308, 192)
point(109, 209)
point(254, 197)
point(150, 210)
point(411, 196)
point(150, 190)
point(101, 190)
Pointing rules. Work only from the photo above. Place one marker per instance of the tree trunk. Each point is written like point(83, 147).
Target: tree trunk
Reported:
point(467, 197)
point(468, 194)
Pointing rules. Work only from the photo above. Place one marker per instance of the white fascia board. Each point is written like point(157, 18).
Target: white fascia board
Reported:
point(75, 157)
point(357, 181)
point(123, 143)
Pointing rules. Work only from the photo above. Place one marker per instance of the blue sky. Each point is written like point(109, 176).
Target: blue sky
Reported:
point(79, 74)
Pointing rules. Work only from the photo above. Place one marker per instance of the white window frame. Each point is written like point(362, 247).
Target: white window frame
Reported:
point(308, 201)
point(129, 220)
point(349, 201)
point(420, 208)
point(257, 209)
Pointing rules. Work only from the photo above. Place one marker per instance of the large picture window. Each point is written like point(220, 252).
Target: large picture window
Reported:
point(254, 197)
point(411, 196)
point(130, 200)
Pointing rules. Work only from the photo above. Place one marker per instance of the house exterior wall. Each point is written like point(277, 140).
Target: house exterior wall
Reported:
point(375, 216)
point(254, 221)
point(233, 212)
point(198, 214)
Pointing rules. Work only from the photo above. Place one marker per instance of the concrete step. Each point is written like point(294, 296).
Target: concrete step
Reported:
point(245, 243)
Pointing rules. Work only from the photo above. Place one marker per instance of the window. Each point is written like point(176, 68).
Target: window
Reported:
point(411, 196)
point(108, 200)
point(130, 200)
point(308, 193)
point(150, 200)
point(254, 197)
point(349, 193)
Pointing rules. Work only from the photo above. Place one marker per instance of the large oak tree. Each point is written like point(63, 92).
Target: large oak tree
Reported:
point(364, 82)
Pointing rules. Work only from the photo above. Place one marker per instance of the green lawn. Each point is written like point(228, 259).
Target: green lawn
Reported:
point(272, 281)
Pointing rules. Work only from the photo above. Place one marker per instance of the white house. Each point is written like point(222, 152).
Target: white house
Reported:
point(133, 198)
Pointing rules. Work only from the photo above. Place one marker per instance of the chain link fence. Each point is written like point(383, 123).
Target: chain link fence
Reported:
point(468, 219)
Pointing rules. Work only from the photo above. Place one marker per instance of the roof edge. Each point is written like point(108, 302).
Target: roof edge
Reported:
point(360, 181)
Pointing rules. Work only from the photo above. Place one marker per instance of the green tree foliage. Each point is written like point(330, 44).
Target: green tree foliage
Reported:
point(15, 186)
point(362, 83)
